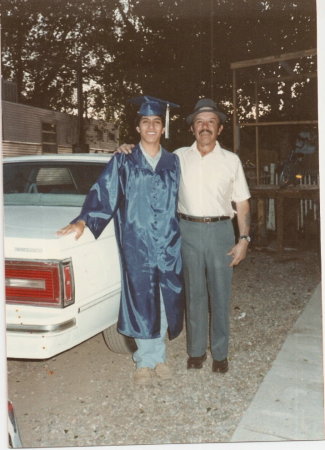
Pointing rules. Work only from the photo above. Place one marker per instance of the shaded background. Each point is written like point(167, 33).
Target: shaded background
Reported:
point(177, 50)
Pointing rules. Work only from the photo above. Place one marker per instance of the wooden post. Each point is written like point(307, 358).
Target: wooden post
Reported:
point(80, 146)
point(80, 103)
point(235, 118)
point(261, 216)
point(279, 223)
point(261, 221)
point(257, 149)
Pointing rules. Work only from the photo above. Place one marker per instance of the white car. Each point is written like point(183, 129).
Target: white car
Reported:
point(59, 291)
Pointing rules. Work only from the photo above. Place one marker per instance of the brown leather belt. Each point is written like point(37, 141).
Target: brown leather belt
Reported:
point(203, 219)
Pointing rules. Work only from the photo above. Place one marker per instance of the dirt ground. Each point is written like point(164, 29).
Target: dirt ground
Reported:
point(85, 396)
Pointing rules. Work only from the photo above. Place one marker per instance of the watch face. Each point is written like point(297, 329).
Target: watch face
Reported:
point(248, 239)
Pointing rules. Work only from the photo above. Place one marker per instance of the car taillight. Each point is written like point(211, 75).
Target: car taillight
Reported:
point(42, 283)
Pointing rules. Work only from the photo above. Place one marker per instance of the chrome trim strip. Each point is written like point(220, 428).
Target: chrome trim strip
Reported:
point(99, 300)
point(21, 328)
point(26, 283)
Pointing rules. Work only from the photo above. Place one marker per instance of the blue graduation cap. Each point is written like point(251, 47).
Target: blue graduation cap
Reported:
point(151, 106)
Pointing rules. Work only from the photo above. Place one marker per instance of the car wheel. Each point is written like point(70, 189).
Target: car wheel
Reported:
point(117, 342)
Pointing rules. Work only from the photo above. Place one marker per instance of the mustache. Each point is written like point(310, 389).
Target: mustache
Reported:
point(205, 131)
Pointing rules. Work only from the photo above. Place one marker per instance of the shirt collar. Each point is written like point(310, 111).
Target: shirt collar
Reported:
point(166, 159)
point(149, 157)
point(217, 148)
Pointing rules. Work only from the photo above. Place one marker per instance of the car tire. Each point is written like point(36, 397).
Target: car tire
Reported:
point(117, 342)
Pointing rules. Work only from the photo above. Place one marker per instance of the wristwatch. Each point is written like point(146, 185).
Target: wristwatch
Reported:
point(244, 236)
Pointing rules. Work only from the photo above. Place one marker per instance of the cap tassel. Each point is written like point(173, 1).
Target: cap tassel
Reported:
point(167, 122)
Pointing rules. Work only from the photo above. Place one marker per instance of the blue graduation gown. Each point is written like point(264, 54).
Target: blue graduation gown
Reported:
point(143, 203)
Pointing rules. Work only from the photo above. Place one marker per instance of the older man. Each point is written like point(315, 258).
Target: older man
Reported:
point(212, 181)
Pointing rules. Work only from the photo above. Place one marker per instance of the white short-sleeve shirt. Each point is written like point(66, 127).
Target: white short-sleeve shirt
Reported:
point(209, 184)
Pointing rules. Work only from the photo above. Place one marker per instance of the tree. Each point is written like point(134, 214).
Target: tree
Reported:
point(174, 49)
point(43, 41)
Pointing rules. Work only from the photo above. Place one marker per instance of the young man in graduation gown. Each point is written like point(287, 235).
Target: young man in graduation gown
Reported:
point(140, 192)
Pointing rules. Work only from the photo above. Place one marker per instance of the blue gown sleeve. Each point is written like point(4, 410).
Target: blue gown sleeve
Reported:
point(103, 198)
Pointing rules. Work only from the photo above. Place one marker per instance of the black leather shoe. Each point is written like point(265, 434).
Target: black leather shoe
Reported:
point(220, 366)
point(196, 362)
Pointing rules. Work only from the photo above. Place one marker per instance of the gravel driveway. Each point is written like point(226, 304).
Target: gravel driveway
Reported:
point(85, 396)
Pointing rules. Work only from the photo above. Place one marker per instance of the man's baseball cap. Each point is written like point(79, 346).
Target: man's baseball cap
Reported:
point(206, 105)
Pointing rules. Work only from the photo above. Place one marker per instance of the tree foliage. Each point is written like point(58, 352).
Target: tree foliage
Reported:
point(174, 49)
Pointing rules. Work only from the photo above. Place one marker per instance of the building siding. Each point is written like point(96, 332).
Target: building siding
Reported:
point(23, 123)
point(10, 148)
point(22, 130)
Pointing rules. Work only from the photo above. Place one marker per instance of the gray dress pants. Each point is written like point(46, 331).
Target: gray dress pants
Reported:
point(207, 278)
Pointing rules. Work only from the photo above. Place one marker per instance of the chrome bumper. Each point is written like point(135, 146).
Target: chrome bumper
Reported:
point(29, 328)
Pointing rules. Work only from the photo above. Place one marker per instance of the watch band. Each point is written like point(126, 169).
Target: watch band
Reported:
point(244, 236)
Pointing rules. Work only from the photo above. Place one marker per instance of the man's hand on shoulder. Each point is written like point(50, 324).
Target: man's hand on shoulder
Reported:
point(125, 148)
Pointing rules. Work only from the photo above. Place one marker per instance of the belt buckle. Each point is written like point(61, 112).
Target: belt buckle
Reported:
point(206, 219)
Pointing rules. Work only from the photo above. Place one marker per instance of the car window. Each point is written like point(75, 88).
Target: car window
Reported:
point(55, 180)
point(39, 178)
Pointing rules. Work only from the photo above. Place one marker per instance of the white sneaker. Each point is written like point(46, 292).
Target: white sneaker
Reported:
point(163, 371)
point(143, 375)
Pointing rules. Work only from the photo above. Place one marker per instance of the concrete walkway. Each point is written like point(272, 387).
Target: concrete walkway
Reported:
point(289, 404)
